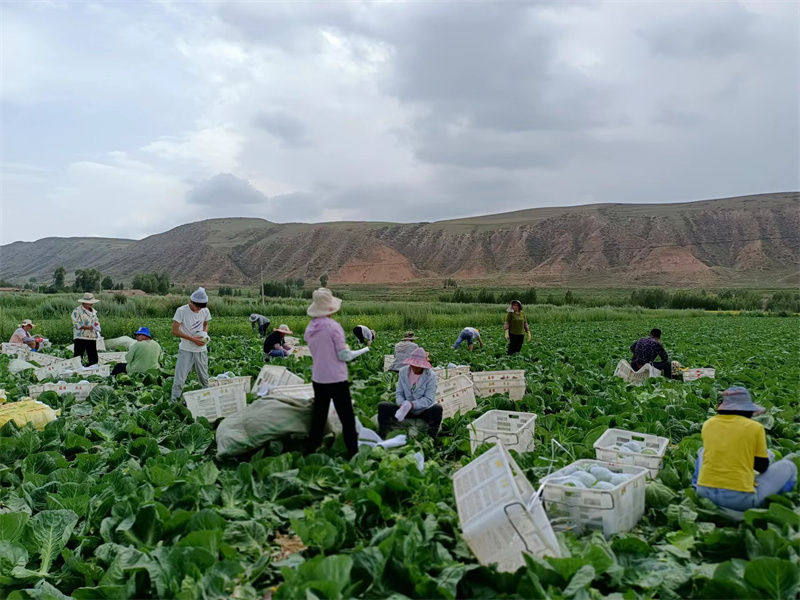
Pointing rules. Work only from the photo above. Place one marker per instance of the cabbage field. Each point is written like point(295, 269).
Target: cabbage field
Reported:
point(122, 497)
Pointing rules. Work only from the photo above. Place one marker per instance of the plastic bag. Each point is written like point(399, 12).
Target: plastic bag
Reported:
point(124, 342)
point(17, 365)
point(27, 410)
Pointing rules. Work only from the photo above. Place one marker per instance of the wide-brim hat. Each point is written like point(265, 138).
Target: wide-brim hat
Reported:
point(409, 336)
point(143, 331)
point(27, 322)
point(283, 329)
point(738, 398)
point(323, 304)
point(88, 298)
point(511, 306)
point(418, 358)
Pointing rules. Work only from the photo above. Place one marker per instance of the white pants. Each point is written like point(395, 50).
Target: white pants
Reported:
point(186, 362)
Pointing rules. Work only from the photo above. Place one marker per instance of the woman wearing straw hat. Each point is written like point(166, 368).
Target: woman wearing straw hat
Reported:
point(23, 335)
point(86, 329)
point(275, 345)
point(734, 446)
point(329, 353)
point(416, 394)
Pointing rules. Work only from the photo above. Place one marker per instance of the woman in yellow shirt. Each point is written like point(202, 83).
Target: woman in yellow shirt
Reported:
point(734, 448)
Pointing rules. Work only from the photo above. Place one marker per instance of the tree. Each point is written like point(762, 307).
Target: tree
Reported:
point(87, 280)
point(108, 283)
point(152, 283)
point(59, 276)
point(32, 280)
point(323, 280)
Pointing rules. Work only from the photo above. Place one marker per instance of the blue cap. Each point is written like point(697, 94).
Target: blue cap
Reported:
point(738, 398)
point(143, 331)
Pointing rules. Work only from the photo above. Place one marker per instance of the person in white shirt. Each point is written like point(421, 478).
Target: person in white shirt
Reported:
point(364, 335)
point(469, 335)
point(190, 323)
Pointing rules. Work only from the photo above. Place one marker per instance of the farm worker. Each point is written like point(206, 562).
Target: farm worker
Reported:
point(190, 323)
point(86, 329)
point(469, 335)
point(733, 446)
point(364, 335)
point(416, 391)
point(516, 327)
point(403, 349)
point(259, 322)
point(142, 356)
point(23, 335)
point(329, 353)
point(275, 344)
point(646, 350)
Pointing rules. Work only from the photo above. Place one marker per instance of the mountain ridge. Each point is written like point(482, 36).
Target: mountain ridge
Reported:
point(688, 243)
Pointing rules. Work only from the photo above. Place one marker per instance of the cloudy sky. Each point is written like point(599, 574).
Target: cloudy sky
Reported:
point(123, 119)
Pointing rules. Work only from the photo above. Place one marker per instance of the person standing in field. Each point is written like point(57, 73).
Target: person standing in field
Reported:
point(403, 350)
point(259, 322)
point(647, 350)
point(190, 323)
point(275, 345)
point(23, 335)
point(329, 353)
point(364, 335)
point(142, 356)
point(86, 329)
point(516, 327)
point(416, 394)
point(469, 335)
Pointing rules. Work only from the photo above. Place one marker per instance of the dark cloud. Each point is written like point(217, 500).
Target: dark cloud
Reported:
point(225, 190)
point(285, 127)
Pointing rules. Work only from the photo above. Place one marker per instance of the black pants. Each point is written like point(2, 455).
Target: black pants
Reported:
point(262, 329)
point(359, 335)
point(119, 368)
point(665, 366)
point(339, 393)
point(515, 343)
point(87, 347)
point(386, 411)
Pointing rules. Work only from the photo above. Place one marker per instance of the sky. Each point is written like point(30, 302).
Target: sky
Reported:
point(128, 118)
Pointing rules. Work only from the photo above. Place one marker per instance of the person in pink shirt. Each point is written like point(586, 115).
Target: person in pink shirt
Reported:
point(23, 335)
point(330, 355)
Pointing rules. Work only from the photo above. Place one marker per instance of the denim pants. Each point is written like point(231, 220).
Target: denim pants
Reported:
point(780, 478)
point(463, 337)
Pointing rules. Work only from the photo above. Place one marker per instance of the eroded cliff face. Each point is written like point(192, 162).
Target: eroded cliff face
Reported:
point(676, 243)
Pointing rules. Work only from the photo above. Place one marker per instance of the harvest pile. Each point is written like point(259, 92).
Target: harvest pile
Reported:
point(121, 497)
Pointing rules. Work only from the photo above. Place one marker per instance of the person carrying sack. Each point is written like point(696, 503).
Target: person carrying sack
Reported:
point(190, 323)
point(86, 329)
point(516, 326)
point(416, 394)
point(329, 353)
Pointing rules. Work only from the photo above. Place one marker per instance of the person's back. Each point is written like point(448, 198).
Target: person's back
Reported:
point(647, 350)
point(402, 350)
point(143, 356)
point(731, 443)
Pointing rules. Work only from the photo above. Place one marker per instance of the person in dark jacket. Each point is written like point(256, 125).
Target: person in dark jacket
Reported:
point(275, 345)
point(647, 350)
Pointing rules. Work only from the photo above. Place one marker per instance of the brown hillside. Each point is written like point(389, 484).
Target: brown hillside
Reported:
point(713, 241)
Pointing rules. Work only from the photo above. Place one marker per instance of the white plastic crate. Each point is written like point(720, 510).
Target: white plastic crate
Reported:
point(243, 382)
point(216, 402)
point(444, 373)
point(512, 429)
point(41, 359)
point(275, 376)
point(301, 352)
point(455, 395)
point(626, 372)
point(291, 341)
point(13, 349)
point(611, 511)
point(81, 390)
point(511, 382)
point(693, 374)
point(105, 358)
point(95, 371)
point(388, 359)
point(603, 449)
point(500, 514)
point(57, 368)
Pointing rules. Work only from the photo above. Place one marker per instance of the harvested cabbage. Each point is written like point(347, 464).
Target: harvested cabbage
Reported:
point(603, 485)
point(573, 482)
point(618, 479)
point(586, 478)
point(601, 473)
point(649, 452)
point(632, 447)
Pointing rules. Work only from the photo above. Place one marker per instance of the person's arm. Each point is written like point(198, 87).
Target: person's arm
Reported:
point(76, 320)
point(480, 340)
point(176, 331)
point(761, 460)
point(400, 394)
point(131, 354)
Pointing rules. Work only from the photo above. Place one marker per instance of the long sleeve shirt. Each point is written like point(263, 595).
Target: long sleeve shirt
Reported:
point(422, 395)
point(81, 318)
point(646, 350)
point(325, 339)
